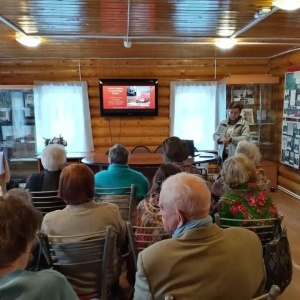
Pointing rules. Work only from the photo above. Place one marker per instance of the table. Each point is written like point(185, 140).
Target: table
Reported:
point(147, 159)
point(146, 163)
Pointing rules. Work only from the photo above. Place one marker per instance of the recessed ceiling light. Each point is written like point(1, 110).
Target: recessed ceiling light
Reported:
point(225, 43)
point(287, 4)
point(29, 41)
point(262, 12)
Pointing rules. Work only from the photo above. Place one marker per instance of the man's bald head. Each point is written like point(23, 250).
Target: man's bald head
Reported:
point(183, 197)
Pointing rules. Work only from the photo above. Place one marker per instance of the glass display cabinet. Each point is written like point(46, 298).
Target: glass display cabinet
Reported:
point(259, 96)
point(260, 110)
point(17, 122)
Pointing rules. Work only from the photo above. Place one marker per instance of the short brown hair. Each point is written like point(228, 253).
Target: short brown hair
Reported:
point(237, 170)
point(18, 225)
point(161, 175)
point(76, 184)
point(236, 104)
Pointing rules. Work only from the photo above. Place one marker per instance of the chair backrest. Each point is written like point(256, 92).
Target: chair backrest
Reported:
point(272, 295)
point(264, 228)
point(140, 149)
point(46, 201)
point(142, 237)
point(123, 197)
point(82, 258)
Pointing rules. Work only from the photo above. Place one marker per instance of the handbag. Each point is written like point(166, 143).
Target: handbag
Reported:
point(278, 260)
point(41, 256)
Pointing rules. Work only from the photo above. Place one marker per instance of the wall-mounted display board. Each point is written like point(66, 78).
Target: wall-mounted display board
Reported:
point(291, 120)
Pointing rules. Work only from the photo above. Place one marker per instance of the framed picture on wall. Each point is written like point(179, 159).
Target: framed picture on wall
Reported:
point(245, 96)
point(247, 114)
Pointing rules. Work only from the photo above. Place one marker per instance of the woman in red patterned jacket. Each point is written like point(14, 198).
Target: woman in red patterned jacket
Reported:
point(148, 212)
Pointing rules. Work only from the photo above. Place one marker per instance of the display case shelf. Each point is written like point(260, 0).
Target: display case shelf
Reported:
point(259, 95)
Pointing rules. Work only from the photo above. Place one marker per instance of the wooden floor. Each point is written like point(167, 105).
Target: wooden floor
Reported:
point(290, 208)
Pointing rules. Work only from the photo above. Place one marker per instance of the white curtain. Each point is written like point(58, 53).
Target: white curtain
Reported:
point(62, 109)
point(195, 110)
point(18, 116)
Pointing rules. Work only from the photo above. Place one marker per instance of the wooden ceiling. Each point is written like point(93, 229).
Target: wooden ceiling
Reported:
point(170, 29)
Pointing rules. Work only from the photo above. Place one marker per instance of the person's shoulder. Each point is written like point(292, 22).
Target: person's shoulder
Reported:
point(52, 218)
point(101, 173)
point(53, 214)
point(107, 206)
point(243, 122)
point(160, 248)
point(224, 122)
point(51, 274)
point(48, 275)
point(56, 284)
point(242, 234)
point(137, 174)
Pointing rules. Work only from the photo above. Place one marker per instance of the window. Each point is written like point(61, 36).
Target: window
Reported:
point(30, 114)
point(62, 109)
point(195, 111)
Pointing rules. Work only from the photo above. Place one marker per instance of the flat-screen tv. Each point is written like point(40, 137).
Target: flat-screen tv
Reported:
point(128, 97)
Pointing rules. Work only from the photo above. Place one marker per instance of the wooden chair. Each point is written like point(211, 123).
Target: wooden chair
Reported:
point(46, 201)
point(272, 295)
point(85, 254)
point(123, 197)
point(140, 149)
point(202, 169)
point(264, 228)
point(142, 237)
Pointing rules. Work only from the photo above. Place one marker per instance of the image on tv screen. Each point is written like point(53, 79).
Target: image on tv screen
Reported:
point(122, 98)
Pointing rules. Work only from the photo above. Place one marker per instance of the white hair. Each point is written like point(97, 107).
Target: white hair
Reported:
point(187, 193)
point(250, 150)
point(53, 156)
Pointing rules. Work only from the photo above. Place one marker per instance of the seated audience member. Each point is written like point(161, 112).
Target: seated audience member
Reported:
point(119, 174)
point(148, 214)
point(176, 151)
point(20, 194)
point(244, 198)
point(84, 216)
point(252, 152)
point(148, 211)
point(53, 158)
point(18, 226)
point(194, 263)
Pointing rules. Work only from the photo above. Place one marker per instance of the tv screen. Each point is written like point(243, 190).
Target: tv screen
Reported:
point(128, 97)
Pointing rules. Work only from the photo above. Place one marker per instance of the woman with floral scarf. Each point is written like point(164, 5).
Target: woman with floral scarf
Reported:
point(244, 198)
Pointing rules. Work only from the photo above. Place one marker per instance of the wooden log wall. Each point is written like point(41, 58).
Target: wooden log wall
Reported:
point(130, 131)
point(148, 131)
point(288, 177)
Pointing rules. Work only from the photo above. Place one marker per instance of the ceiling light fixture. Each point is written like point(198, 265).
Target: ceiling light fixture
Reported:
point(127, 43)
point(262, 12)
point(29, 41)
point(287, 4)
point(225, 43)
